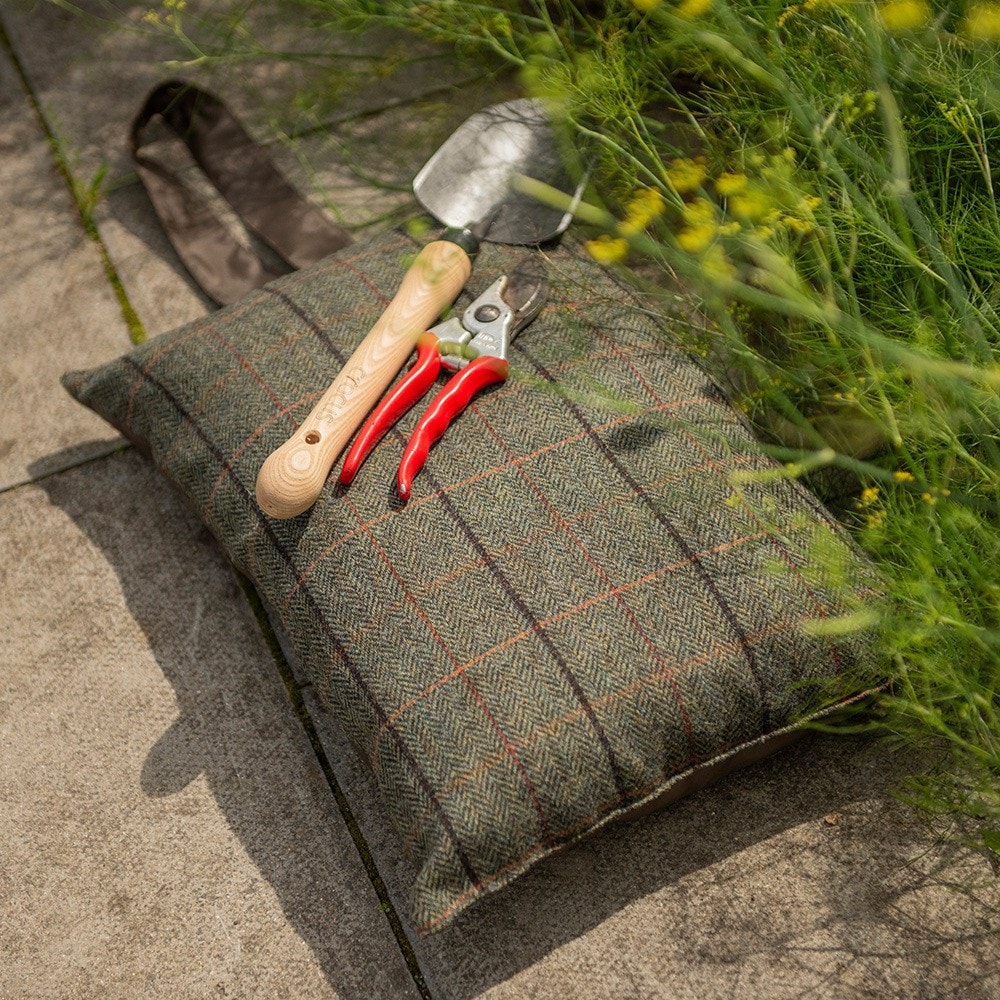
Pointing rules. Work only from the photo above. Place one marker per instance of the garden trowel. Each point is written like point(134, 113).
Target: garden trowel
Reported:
point(468, 184)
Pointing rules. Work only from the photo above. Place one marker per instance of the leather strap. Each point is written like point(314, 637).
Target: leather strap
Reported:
point(245, 175)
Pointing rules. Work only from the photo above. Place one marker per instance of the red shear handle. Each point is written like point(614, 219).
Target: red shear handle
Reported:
point(447, 404)
point(394, 404)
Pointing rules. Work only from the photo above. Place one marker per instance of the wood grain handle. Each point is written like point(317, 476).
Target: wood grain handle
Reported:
point(291, 478)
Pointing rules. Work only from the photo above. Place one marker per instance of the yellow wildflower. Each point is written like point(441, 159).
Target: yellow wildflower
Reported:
point(797, 225)
point(151, 17)
point(686, 174)
point(717, 265)
point(982, 21)
point(869, 495)
point(785, 15)
point(698, 212)
point(690, 9)
point(905, 15)
point(727, 184)
point(695, 239)
point(754, 206)
point(927, 498)
point(645, 206)
point(902, 476)
point(648, 201)
point(607, 249)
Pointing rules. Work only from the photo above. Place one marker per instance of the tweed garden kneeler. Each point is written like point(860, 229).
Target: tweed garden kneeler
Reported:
point(575, 614)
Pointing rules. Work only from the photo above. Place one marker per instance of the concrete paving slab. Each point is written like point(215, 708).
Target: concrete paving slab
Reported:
point(167, 830)
point(90, 66)
point(90, 73)
point(800, 876)
point(57, 310)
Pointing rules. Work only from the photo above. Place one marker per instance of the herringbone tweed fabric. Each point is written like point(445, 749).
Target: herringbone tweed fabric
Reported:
point(574, 610)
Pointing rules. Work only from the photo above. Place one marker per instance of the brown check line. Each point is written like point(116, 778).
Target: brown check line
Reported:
point(566, 836)
point(281, 345)
point(708, 583)
point(418, 501)
point(477, 695)
point(552, 726)
point(304, 400)
point(513, 384)
point(202, 325)
point(601, 575)
point(492, 471)
point(264, 527)
point(312, 327)
point(820, 609)
point(246, 365)
point(536, 536)
point(602, 810)
point(396, 714)
point(615, 462)
point(271, 394)
point(240, 308)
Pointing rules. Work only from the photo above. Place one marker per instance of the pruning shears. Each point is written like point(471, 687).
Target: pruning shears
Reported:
point(473, 345)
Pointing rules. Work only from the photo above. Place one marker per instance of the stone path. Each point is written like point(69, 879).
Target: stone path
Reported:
point(178, 817)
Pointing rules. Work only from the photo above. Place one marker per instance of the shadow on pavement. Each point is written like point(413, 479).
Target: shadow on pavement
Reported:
point(797, 876)
point(235, 725)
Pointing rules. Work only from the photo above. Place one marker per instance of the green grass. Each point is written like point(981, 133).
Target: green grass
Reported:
point(818, 178)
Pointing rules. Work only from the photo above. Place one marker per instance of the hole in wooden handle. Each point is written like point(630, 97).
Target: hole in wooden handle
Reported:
point(312, 437)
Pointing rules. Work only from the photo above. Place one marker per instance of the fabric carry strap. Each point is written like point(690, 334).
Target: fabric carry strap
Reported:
point(245, 175)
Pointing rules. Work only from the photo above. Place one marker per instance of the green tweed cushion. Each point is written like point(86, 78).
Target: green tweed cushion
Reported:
point(575, 610)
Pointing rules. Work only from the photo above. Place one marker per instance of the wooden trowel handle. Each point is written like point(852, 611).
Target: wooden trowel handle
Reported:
point(292, 477)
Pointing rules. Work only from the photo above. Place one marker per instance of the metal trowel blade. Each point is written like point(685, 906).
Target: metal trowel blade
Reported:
point(468, 181)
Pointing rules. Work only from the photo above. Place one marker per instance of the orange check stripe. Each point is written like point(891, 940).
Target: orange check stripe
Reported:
point(611, 592)
point(484, 474)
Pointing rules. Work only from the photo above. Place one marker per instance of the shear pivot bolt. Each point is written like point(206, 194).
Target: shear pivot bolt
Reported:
point(487, 313)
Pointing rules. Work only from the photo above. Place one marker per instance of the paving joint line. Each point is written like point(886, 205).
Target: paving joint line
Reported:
point(294, 691)
point(114, 448)
point(136, 330)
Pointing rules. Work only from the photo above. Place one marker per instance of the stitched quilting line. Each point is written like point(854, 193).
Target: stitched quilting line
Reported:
point(820, 609)
point(247, 441)
point(567, 835)
point(446, 649)
point(581, 606)
point(405, 752)
point(289, 340)
point(521, 604)
point(501, 735)
point(599, 572)
point(536, 536)
point(665, 522)
point(235, 311)
point(552, 726)
point(581, 825)
point(436, 494)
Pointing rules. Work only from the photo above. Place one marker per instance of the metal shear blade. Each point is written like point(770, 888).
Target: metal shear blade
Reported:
point(474, 345)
